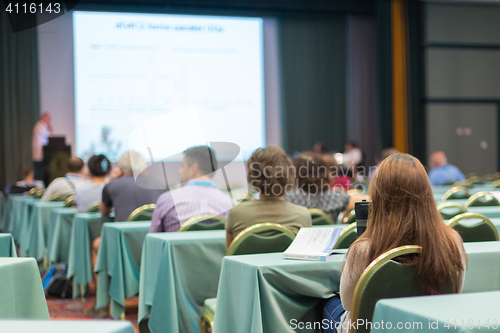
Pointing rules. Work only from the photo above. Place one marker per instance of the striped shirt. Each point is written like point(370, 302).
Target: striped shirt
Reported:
point(88, 194)
point(175, 207)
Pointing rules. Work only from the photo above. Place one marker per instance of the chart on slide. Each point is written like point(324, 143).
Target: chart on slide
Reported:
point(132, 68)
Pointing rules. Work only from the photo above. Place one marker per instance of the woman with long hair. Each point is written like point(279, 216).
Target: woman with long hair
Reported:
point(403, 212)
point(87, 194)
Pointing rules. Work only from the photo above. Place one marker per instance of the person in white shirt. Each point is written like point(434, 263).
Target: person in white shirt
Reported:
point(65, 186)
point(40, 138)
point(352, 155)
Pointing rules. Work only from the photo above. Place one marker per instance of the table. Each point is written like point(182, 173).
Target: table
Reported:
point(7, 212)
point(263, 293)
point(19, 212)
point(34, 243)
point(61, 222)
point(179, 270)
point(7, 246)
point(3, 203)
point(21, 290)
point(432, 313)
point(65, 326)
point(86, 227)
point(118, 263)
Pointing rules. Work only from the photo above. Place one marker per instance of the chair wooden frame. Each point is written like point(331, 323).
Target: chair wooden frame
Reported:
point(453, 190)
point(454, 221)
point(254, 229)
point(69, 202)
point(138, 210)
point(478, 195)
point(345, 233)
point(321, 213)
point(450, 204)
point(198, 218)
point(370, 270)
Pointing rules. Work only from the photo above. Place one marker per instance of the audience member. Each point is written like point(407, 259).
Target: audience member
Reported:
point(313, 186)
point(442, 172)
point(403, 212)
point(123, 192)
point(65, 186)
point(353, 156)
point(89, 193)
point(320, 148)
point(385, 153)
point(198, 196)
point(26, 184)
point(270, 172)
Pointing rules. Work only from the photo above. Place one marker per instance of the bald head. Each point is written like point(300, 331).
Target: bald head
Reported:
point(75, 164)
point(437, 159)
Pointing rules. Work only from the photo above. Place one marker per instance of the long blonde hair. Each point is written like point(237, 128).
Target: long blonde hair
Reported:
point(403, 212)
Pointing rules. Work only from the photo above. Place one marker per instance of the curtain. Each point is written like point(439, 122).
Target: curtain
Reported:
point(362, 120)
point(19, 98)
point(312, 53)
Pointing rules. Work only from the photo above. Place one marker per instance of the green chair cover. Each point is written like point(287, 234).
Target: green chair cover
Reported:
point(94, 208)
point(449, 210)
point(347, 237)
point(482, 199)
point(261, 238)
point(456, 192)
point(203, 223)
point(320, 217)
point(484, 231)
point(143, 213)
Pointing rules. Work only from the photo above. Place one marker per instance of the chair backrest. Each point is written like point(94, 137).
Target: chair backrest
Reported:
point(449, 210)
point(204, 222)
point(261, 238)
point(320, 217)
point(349, 218)
point(32, 191)
point(143, 213)
point(456, 192)
point(482, 199)
point(347, 237)
point(475, 180)
point(38, 194)
point(70, 201)
point(385, 278)
point(483, 231)
point(463, 183)
point(495, 184)
point(94, 208)
point(60, 197)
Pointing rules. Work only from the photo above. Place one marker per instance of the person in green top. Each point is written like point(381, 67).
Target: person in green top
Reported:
point(271, 173)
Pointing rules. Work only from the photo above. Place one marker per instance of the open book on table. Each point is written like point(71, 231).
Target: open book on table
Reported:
point(315, 244)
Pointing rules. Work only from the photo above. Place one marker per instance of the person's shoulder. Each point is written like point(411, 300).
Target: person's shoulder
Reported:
point(244, 206)
point(297, 209)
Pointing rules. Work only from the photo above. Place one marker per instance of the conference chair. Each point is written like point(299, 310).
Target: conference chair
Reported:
point(482, 199)
point(32, 192)
point(475, 180)
point(94, 208)
point(464, 183)
point(143, 213)
point(349, 218)
point(38, 194)
point(372, 285)
point(59, 197)
point(449, 210)
point(484, 231)
point(488, 178)
point(259, 238)
point(456, 192)
point(320, 217)
point(347, 237)
point(204, 222)
point(496, 184)
point(69, 202)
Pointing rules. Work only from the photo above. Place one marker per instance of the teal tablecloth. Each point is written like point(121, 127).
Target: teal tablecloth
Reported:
point(118, 263)
point(7, 246)
point(442, 313)
point(5, 223)
point(19, 212)
point(61, 222)
point(264, 293)
point(38, 227)
point(3, 204)
point(21, 292)
point(66, 326)
point(179, 270)
point(86, 227)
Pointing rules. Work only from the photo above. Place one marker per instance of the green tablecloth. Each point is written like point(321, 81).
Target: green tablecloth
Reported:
point(21, 291)
point(86, 227)
point(443, 313)
point(7, 247)
point(66, 326)
point(118, 263)
point(263, 293)
point(5, 223)
point(37, 234)
point(3, 204)
point(61, 222)
point(179, 270)
point(19, 210)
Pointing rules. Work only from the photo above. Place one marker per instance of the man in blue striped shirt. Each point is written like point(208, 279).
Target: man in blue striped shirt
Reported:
point(442, 172)
point(198, 196)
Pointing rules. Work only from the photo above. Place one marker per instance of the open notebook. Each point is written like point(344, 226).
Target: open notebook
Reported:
point(315, 244)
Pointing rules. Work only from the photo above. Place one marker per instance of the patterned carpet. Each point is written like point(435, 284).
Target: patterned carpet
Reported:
point(68, 309)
